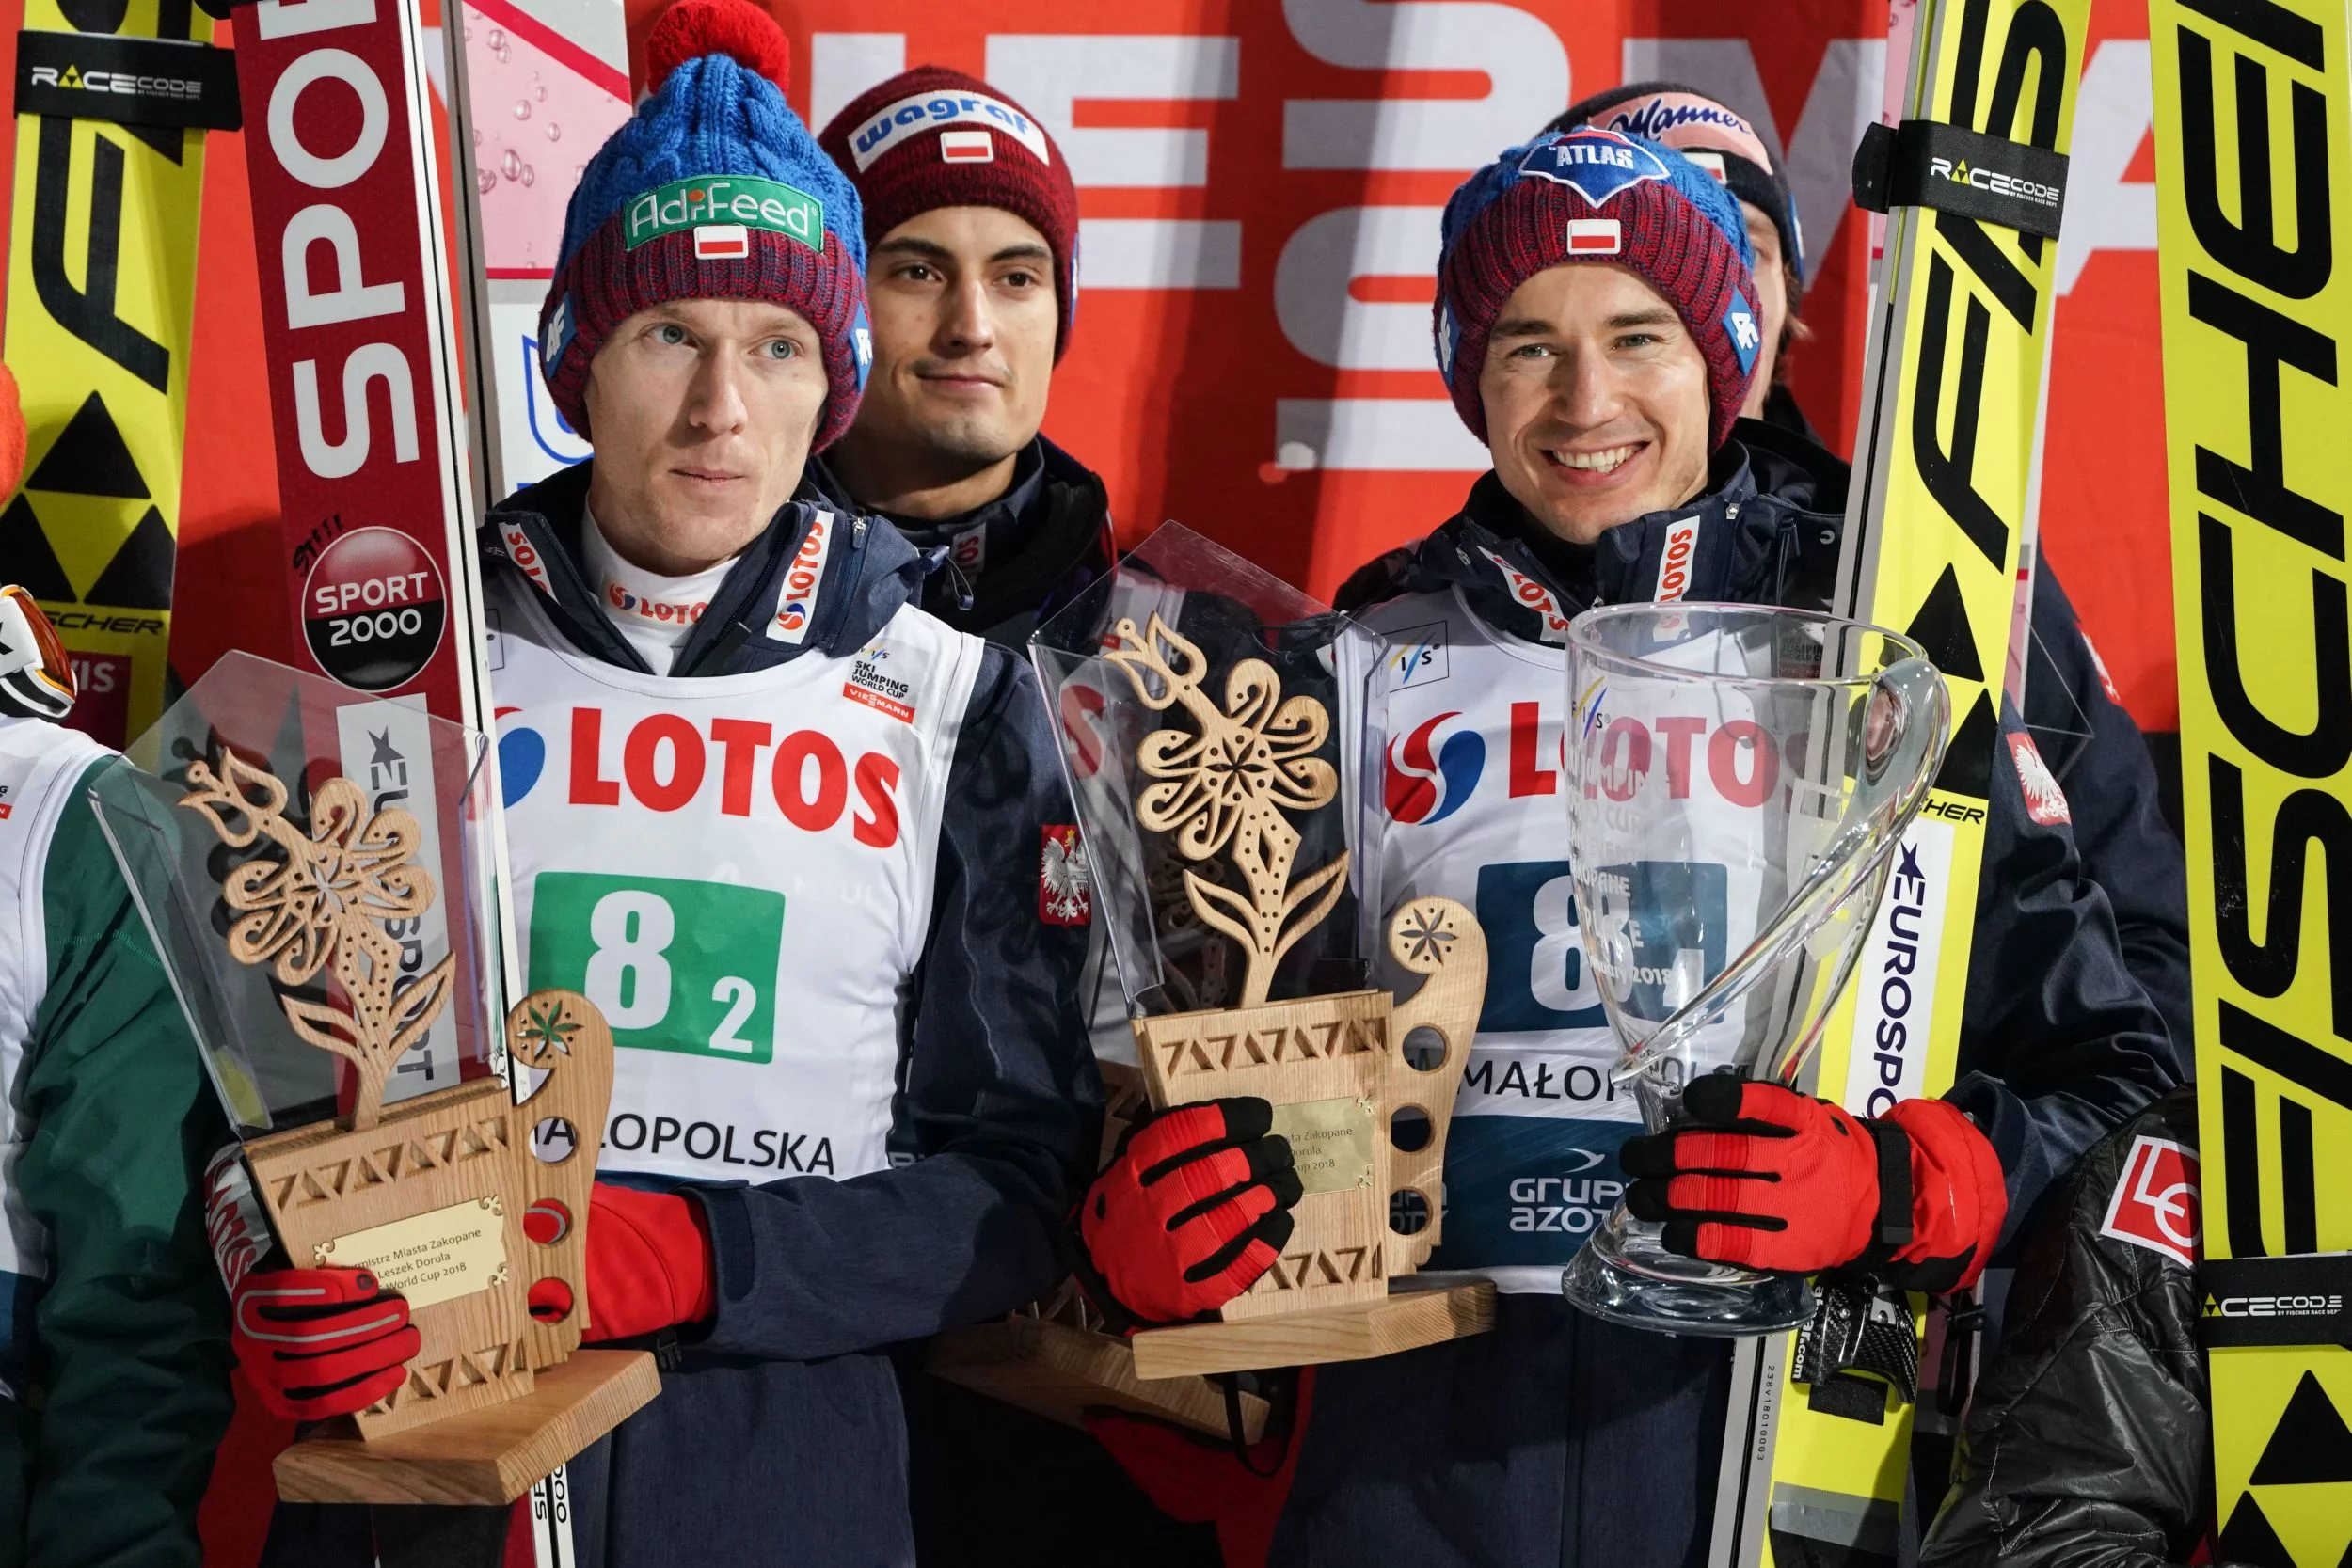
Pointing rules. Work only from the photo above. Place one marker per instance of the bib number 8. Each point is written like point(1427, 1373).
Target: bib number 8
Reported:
point(673, 965)
point(629, 979)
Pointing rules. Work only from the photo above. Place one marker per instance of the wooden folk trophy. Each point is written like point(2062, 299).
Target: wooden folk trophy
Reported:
point(1362, 1084)
point(446, 1197)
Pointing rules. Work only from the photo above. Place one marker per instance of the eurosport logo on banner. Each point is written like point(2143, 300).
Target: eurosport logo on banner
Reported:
point(739, 767)
point(1429, 779)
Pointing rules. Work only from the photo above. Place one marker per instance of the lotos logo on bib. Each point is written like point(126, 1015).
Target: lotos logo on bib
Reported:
point(796, 595)
point(1429, 780)
point(522, 758)
point(1596, 165)
point(666, 764)
point(896, 123)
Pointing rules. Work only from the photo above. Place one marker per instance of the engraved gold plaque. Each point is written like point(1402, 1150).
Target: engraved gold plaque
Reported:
point(436, 1256)
point(1331, 1142)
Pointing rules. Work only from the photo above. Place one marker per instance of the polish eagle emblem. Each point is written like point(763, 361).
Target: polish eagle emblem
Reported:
point(1065, 890)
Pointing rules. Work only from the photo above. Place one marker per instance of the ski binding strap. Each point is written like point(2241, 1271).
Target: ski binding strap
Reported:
point(1924, 162)
point(1860, 1326)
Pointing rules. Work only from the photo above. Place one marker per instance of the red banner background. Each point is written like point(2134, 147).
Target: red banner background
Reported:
point(1260, 184)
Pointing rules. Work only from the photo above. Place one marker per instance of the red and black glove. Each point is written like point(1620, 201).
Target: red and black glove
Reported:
point(1189, 1213)
point(1199, 1483)
point(649, 1263)
point(1762, 1177)
point(321, 1342)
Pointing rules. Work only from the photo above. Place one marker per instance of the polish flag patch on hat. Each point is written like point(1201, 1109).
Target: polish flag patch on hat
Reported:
point(966, 147)
point(722, 242)
point(1595, 237)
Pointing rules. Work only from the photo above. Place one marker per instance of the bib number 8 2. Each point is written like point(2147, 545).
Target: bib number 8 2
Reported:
point(674, 965)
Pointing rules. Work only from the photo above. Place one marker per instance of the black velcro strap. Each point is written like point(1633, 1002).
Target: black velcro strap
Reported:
point(1892, 1228)
point(168, 82)
point(1924, 162)
point(2302, 1300)
point(1858, 1327)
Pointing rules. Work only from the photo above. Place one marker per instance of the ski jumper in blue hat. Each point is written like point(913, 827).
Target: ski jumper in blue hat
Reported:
point(785, 829)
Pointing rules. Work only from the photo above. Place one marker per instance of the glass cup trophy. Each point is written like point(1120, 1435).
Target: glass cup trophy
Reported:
point(1738, 779)
point(317, 870)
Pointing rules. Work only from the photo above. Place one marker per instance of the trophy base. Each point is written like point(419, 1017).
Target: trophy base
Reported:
point(1061, 1372)
point(1625, 1275)
point(479, 1458)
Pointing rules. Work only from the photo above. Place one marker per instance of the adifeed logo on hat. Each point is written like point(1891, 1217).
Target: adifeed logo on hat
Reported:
point(1596, 165)
point(720, 201)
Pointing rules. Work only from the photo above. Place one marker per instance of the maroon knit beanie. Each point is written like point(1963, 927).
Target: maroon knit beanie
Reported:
point(1598, 198)
point(934, 137)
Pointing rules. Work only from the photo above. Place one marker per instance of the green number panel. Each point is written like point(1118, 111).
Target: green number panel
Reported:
point(674, 965)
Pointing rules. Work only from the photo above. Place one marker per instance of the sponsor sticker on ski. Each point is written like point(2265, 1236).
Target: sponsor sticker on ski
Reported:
point(1894, 979)
point(2156, 1200)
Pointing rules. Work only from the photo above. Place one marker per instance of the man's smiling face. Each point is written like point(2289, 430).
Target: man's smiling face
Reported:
point(702, 411)
point(1596, 401)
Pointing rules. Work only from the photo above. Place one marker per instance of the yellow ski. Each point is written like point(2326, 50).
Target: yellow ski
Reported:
point(101, 301)
point(2255, 266)
point(1973, 180)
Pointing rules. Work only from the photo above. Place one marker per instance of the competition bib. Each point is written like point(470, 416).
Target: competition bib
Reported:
point(738, 872)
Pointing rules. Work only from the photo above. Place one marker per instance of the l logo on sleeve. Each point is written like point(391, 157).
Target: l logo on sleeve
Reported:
point(2155, 1203)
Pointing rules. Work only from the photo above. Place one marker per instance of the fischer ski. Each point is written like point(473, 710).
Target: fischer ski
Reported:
point(102, 305)
point(1973, 179)
point(2251, 99)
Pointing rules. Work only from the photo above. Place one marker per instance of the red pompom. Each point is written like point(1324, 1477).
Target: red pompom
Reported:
point(734, 27)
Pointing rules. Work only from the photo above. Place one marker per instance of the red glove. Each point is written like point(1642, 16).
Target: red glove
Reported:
point(1199, 1483)
point(1190, 1212)
point(649, 1265)
point(1765, 1178)
point(321, 1342)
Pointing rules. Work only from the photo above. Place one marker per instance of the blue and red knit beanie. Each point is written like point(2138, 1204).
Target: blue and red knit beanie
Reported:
point(1595, 197)
point(934, 137)
point(713, 190)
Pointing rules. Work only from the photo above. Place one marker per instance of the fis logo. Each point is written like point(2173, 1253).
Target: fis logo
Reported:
point(2014, 186)
point(2156, 1201)
point(1596, 165)
point(1420, 656)
point(1429, 780)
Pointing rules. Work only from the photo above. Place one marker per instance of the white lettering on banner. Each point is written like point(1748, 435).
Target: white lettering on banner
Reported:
point(340, 459)
point(281, 19)
point(1049, 72)
point(1159, 253)
point(2113, 111)
point(1894, 977)
point(1322, 261)
point(1847, 90)
point(842, 66)
point(313, 169)
point(1525, 65)
point(1375, 434)
point(349, 300)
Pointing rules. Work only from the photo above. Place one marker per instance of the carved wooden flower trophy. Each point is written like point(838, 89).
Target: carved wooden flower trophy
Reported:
point(430, 1194)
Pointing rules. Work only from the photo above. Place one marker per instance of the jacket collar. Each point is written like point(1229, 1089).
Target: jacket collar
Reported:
point(771, 607)
point(1765, 531)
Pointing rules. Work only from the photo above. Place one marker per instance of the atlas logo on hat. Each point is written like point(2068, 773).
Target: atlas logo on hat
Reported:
point(1596, 165)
